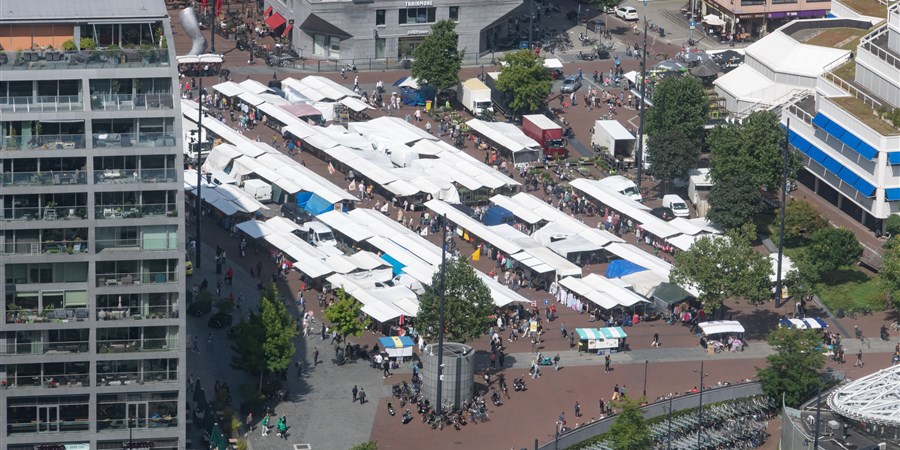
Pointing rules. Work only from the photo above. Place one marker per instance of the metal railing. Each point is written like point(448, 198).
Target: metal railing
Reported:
point(46, 178)
point(49, 314)
point(159, 421)
point(123, 176)
point(852, 90)
point(127, 279)
point(75, 212)
point(135, 211)
point(799, 112)
point(138, 377)
point(42, 142)
point(136, 313)
point(136, 345)
point(868, 44)
point(132, 139)
point(146, 244)
point(48, 380)
point(70, 247)
point(41, 103)
point(91, 59)
point(129, 102)
point(40, 348)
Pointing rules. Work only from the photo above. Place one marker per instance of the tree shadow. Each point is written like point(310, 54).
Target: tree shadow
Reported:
point(758, 323)
point(843, 276)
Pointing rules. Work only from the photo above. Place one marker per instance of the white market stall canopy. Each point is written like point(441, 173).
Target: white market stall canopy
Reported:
point(354, 104)
point(626, 206)
point(553, 63)
point(721, 326)
point(254, 87)
point(472, 226)
point(517, 210)
point(317, 88)
point(229, 89)
point(509, 138)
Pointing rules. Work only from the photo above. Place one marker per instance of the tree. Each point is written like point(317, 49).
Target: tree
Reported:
point(437, 60)
point(467, 304)
point(753, 149)
point(673, 155)
point(793, 369)
point(892, 224)
point(679, 103)
point(369, 445)
point(723, 267)
point(733, 202)
point(630, 430)
point(833, 248)
point(890, 269)
point(801, 220)
point(346, 315)
point(273, 330)
point(525, 81)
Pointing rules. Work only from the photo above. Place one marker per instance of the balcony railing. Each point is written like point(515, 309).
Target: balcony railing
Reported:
point(45, 213)
point(34, 315)
point(157, 421)
point(129, 102)
point(71, 247)
point(149, 139)
point(41, 103)
point(128, 279)
point(120, 378)
point(40, 348)
point(48, 381)
point(135, 211)
point(46, 178)
point(870, 45)
point(42, 142)
point(136, 313)
point(136, 345)
point(93, 59)
point(147, 244)
point(124, 176)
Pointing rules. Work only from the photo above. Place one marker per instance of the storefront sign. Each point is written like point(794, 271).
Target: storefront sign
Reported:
point(419, 3)
point(417, 33)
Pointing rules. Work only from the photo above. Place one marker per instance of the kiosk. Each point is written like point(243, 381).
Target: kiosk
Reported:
point(397, 346)
point(719, 335)
point(601, 341)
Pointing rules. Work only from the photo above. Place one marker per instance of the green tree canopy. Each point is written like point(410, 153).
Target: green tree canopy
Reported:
point(793, 369)
point(346, 315)
point(278, 344)
point(753, 149)
point(369, 445)
point(467, 304)
point(892, 225)
point(679, 103)
point(832, 248)
point(722, 268)
point(525, 80)
point(437, 60)
point(671, 155)
point(248, 334)
point(890, 269)
point(734, 202)
point(801, 220)
point(630, 431)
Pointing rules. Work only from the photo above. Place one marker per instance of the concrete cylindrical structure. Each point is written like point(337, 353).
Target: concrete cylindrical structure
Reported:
point(459, 373)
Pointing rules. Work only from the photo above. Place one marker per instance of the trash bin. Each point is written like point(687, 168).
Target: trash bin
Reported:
point(427, 105)
point(662, 32)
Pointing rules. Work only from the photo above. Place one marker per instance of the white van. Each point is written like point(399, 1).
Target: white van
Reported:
point(259, 189)
point(623, 186)
point(678, 206)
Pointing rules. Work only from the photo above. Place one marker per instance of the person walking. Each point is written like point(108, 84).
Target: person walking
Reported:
point(556, 362)
point(577, 409)
point(562, 330)
point(282, 427)
point(859, 361)
point(606, 363)
point(265, 425)
point(249, 422)
point(655, 342)
point(355, 392)
point(315, 356)
point(615, 395)
point(362, 396)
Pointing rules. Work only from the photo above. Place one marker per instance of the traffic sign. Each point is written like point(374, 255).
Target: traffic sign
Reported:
point(693, 24)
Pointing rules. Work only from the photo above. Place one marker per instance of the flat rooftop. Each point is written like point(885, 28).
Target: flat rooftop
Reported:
point(78, 11)
point(843, 37)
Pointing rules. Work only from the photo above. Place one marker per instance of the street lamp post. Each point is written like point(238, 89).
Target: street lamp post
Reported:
point(639, 159)
point(440, 385)
point(669, 432)
point(199, 201)
point(646, 364)
point(700, 420)
point(212, 28)
point(784, 171)
point(530, 23)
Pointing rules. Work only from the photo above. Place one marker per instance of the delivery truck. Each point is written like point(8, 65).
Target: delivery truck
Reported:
point(547, 133)
point(475, 97)
point(259, 189)
point(616, 144)
point(499, 98)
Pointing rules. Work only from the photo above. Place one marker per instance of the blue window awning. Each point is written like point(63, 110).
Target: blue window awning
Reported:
point(835, 130)
point(892, 195)
point(847, 138)
point(894, 158)
point(820, 120)
point(864, 187)
point(848, 176)
point(832, 165)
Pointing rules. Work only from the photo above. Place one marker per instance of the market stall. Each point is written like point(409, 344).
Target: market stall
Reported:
point(813, 323)
point(397, 346)
point(722, 335)
point(600, 340)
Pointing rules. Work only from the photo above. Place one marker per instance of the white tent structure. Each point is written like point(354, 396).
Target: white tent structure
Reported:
point(509, 139)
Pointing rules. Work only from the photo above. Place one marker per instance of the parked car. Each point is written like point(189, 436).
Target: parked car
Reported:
point(663, 213)
point(293, 211)
point(188, 265)
point(627, 13)
point(570, 84)
point(677, 205)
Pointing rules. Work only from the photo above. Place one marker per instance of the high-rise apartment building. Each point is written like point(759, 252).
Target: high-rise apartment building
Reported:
point(92, 227)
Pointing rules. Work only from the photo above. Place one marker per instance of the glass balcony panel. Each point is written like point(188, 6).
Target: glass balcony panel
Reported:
point(45, 178)
point(144, 139)
point(42, 142)
point(93, 59)
point(41, 103)
point(135, 211)
point(125, 176)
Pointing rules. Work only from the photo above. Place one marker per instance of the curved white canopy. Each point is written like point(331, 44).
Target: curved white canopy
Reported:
point(874, 398)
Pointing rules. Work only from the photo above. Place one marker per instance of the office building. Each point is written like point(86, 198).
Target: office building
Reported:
point(748, 19)
point(92, 227)
point(391, 29)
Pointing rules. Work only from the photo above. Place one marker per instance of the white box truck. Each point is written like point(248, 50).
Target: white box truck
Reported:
point(699, 186)
point(475, 97)
point(615, 143)
point(259, 189)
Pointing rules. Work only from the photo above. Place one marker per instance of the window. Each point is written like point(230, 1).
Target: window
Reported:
point(327, 46)
point(454, 13)
point(412, 16)
point(752, 2)
point(379, 48)
point(780, 2)
point(379, 17)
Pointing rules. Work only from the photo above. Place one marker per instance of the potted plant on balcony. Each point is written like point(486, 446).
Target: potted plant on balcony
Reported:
point(3, 58)
point(69, 46)
point(115, 53)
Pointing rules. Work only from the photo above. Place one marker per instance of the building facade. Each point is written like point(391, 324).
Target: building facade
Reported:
point(389, 29)
point(851, 155)
point(753, 18)
point(92, 239)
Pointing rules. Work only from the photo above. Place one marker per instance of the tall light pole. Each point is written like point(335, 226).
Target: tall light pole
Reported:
point(530, 23)
point(669, 433)
point(639, 157)
point(784, 171)
point(440, 381)
point(212, 28)
point(692, 23)
point(646, 364)
point(700, 420)
point(199, 201)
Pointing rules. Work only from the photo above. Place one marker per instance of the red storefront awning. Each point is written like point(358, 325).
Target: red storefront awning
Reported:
point(274, 21)
point(268, 12)
point(287, 30)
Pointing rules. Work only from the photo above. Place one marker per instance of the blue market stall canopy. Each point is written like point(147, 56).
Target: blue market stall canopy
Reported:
point(804, 324)
point(496, 215)
point(397, 346)
point(619, 268)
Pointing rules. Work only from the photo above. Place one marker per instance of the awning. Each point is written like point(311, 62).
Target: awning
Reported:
point(721, 326)
point(229, 89)
point(804, 324)
point(832, 165)
point(713, 20)
point(275, 20)
point(254, 228)
point(211, 58)
point(588, 334)
point(613, 333)
point(396, 342)
point(354, 104)
point(268, 12)
point(287, 30)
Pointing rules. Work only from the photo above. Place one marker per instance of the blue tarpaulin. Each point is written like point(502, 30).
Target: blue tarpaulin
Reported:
point(317, 205)
point(496, 215)
point(396, 266)
point(416, 97)
point(619, 268)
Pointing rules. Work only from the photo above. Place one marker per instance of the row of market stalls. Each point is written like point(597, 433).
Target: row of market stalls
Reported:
point(509, 140)
point(228, 204)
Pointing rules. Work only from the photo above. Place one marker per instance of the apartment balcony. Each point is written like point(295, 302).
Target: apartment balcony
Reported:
point(73, 212)
point(41, 103)
point(40, 347)
point(129, 176)
point(136, 278)
point(129, 102)
point(43, 142)
point(136, 377)
point(92, 59)
point(47, 315)
point(136, 211)
point(137, 312)
point(44, 178)
point(131, 139)
point(48, 380)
